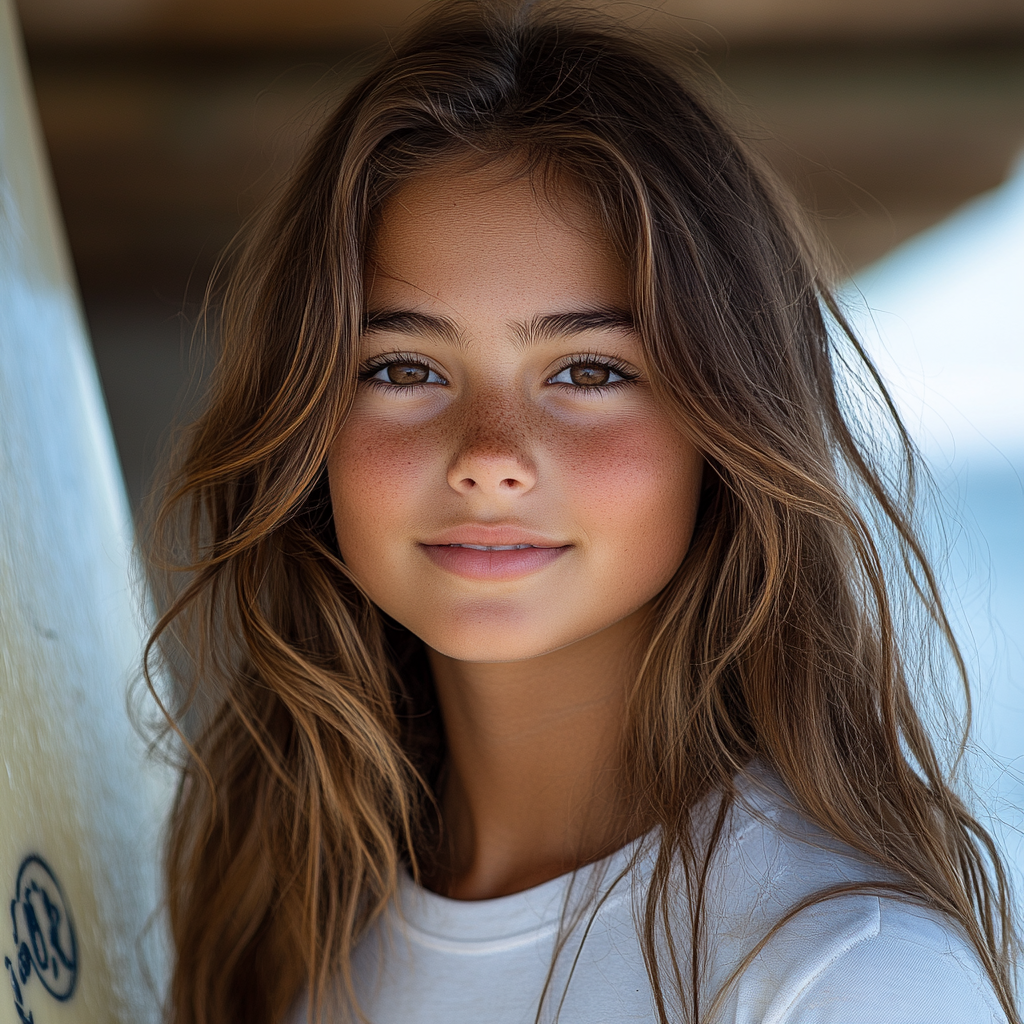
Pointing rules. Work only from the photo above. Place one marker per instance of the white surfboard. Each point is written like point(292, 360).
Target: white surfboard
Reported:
point(80, 806)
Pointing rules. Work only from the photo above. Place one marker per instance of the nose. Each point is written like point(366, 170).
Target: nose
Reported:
point(492, 457)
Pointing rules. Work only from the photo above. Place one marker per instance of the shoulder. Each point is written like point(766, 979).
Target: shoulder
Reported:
point(866, 959)
point(770, 857)
point(863, 956)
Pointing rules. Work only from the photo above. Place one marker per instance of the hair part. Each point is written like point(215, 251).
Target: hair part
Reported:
point(309, 775)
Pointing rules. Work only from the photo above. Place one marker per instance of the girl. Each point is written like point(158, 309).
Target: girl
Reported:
point(534, 596)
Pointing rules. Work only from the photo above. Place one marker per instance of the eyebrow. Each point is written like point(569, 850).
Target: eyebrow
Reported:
point(406, 321)
point(562, 325)
point(541, 328)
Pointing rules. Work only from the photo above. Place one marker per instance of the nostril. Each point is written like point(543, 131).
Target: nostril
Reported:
point(491, 479)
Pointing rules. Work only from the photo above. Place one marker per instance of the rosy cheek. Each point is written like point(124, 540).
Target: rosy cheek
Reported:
point(639, 480)
point(378, 473)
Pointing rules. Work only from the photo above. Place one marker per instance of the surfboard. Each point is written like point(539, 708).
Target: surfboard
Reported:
point(80, 804)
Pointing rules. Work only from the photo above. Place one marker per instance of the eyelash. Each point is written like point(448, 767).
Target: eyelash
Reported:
point(617, 366)
point(627, 374)
point(378, 363)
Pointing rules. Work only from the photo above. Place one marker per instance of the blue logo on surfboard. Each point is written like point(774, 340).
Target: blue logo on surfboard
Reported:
point(44, 935)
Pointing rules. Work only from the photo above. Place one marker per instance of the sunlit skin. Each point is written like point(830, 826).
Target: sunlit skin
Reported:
point(504, 402)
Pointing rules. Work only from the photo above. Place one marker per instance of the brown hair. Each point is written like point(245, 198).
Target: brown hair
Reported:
point(313, 734)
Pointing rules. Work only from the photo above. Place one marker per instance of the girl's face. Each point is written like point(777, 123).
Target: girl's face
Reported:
point(506, 483)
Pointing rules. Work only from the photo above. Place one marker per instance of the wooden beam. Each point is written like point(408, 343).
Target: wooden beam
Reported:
point(354, 22)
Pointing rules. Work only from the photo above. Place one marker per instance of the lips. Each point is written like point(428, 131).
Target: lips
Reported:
point(495, 547)
point(483, 552)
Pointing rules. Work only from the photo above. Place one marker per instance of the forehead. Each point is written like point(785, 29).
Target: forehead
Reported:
point(472, 237)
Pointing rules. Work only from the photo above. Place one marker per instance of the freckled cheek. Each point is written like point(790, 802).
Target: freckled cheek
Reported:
point(380, 476)
point(635, 487)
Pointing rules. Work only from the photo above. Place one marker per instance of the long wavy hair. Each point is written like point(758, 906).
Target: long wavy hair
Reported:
point(307, 724)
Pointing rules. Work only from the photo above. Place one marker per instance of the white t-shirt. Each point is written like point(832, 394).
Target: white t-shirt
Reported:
point(856, 959)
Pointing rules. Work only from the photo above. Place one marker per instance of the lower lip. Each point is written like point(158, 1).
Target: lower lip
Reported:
point(492, 565)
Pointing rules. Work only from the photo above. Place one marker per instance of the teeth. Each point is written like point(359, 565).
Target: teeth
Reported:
point(492, 547)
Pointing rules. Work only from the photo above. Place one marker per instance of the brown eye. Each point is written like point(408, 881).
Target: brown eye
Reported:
point(407, 373)
point(403, 373)
point(589, 374)
point(592, 374)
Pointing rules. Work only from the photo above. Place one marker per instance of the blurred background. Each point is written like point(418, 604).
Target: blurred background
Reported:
point(167, 121)
point(897, 122)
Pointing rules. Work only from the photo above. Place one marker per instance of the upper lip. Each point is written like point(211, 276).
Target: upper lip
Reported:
point(491, 535)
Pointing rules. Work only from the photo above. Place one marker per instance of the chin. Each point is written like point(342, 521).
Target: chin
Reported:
point(491, 646)
point(489, 638)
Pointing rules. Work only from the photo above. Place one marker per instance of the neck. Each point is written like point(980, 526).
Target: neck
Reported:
point(534, 786)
